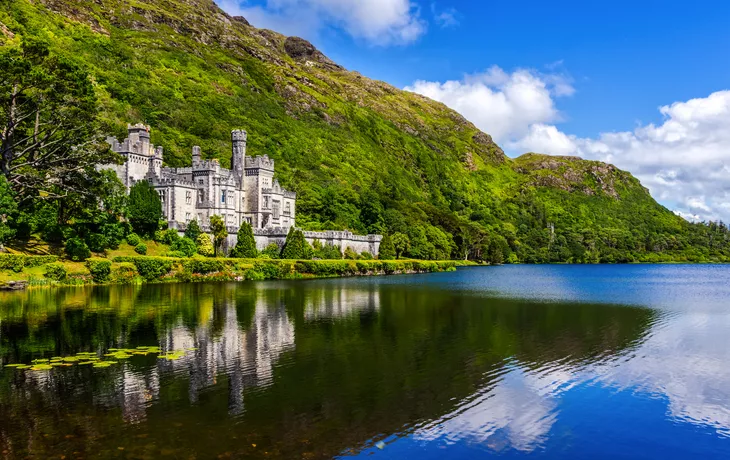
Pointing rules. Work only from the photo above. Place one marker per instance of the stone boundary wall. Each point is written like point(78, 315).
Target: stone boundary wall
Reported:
point(266, 236)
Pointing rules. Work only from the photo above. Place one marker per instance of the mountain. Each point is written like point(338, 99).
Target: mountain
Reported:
point(361, 154)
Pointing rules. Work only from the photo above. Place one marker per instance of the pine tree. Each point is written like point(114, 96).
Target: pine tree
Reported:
point(387, 250)
point(296, 246)
point(246, 244)
point(145, 208)
point(193, 230)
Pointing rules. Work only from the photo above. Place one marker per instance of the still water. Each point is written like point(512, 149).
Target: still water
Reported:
point(515, 361)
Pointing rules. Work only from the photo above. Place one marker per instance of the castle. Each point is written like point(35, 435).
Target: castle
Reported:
point(247, 192)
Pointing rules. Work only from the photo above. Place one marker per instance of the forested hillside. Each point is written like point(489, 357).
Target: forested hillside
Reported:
point(361, 154)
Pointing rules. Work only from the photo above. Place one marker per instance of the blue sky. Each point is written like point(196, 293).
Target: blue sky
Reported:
point(642, 84)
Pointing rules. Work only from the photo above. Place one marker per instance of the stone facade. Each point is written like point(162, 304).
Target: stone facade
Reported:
point(248, 192)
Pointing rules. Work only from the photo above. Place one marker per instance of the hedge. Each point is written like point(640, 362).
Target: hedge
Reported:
point(100, 269)
point(55, 271)
point(203, 266)
point(16, 262)
point(125, 273)
point(149, 268)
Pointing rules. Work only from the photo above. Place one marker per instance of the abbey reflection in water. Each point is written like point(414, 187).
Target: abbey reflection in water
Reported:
point(332, 363)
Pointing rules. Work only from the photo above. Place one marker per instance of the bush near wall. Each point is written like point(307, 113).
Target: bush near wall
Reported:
point(16, 262)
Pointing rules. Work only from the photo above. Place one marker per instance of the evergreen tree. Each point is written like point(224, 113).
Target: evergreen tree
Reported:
point(295, 247)
point(145, 208)
point(219, 231)
point(387, 250)
point(246, 244)
point(193, 230)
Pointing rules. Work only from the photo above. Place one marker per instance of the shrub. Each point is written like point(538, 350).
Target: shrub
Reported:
point(96, 242)
point(125, 273)
point(55, 271)
point(366, 256)
point(296, 247)
point(350, 253)
point(158, 235)
point(185, 245)
point(203, 266)
point(152, 268)
point(114, 234)
point(175, 254)
point(133, 239)
point(205, 246)
point(246, 243)
point(387, 249)
point(193, 230)
point(141, 248)
point(16, 262)
point(272, 251)
point(170, 236)
point(77, 250)
point(100, 269)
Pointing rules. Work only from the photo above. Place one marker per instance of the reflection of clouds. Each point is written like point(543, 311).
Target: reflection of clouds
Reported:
point(517, 412)
point(684, 360)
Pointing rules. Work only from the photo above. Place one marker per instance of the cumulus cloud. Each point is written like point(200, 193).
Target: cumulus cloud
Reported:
point(446, 18)
point(684, 161)
point(379, 22)
point(502, 104)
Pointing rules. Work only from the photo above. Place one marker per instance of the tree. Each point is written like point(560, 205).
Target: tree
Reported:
point(49, 134)
point(296, 247)
point(246, 243)
point(193, 230)
point(8, 207)
point(387, 250)
point(205, 247)
point(219, 231)
point(145, 208)
point(401, 243)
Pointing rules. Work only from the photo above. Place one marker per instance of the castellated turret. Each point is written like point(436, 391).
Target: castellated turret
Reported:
point(196, 155)
point(238, 140)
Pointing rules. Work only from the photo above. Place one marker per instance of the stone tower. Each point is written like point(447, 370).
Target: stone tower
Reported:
point(238, 138)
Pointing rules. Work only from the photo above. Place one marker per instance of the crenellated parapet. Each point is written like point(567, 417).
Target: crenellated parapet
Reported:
point(260, 162)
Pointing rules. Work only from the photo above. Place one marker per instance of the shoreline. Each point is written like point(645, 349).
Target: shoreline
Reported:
point(28, 272)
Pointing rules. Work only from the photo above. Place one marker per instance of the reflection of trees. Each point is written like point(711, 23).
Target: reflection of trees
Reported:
point(366, 360)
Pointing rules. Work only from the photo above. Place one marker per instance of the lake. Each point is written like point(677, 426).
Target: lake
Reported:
point(561, 362)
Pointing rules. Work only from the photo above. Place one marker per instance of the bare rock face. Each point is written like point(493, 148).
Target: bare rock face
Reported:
point(5, 31)
point(300, 49)
point(241, 20)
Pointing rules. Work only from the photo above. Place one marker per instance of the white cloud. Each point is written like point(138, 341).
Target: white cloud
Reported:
point(502, 104)
point(446, 18)
point(379, 22)
point(684, 161)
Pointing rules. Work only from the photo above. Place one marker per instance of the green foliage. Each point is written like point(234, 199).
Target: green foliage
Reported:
point(193, 230)
point(76, 249)
point(219, 231)
point(205, 246)
point(152, 268)
point(55, 271)
point(169, 237)
point(100, 269)
point(133, 239)
point(113, 235)
point(141, 248)
point(8, 208)
point(16, 262)
point(401, 245)
point(145, 208)
point(203, 266)
point(350, 253)
point(124, 273)
point(272, 251)
point(246, 243)
point(96, 242)
point(366, 256)
point(295, 246)
point(387, 249)
point(185, 245)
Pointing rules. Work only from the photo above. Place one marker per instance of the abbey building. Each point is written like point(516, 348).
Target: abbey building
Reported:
point(247, 192)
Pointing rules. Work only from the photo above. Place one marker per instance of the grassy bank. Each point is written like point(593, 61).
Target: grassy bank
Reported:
point(127, 269)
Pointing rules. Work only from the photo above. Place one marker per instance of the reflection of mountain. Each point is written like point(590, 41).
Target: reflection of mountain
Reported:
point(295, 367)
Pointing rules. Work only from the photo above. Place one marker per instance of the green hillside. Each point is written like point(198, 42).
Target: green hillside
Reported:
point(361, 154)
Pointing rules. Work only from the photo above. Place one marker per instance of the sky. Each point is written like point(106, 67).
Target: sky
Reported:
point(642, 84)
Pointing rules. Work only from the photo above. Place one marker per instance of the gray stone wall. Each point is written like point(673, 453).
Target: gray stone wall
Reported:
point(277, 235)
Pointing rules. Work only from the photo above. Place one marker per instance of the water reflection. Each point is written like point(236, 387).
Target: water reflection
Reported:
point(318, 369)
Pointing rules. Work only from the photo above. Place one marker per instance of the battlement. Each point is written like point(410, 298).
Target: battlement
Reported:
point(261, 162)
point(239, 135)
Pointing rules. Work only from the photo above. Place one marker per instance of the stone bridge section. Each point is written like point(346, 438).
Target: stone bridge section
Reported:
point(342, 239)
